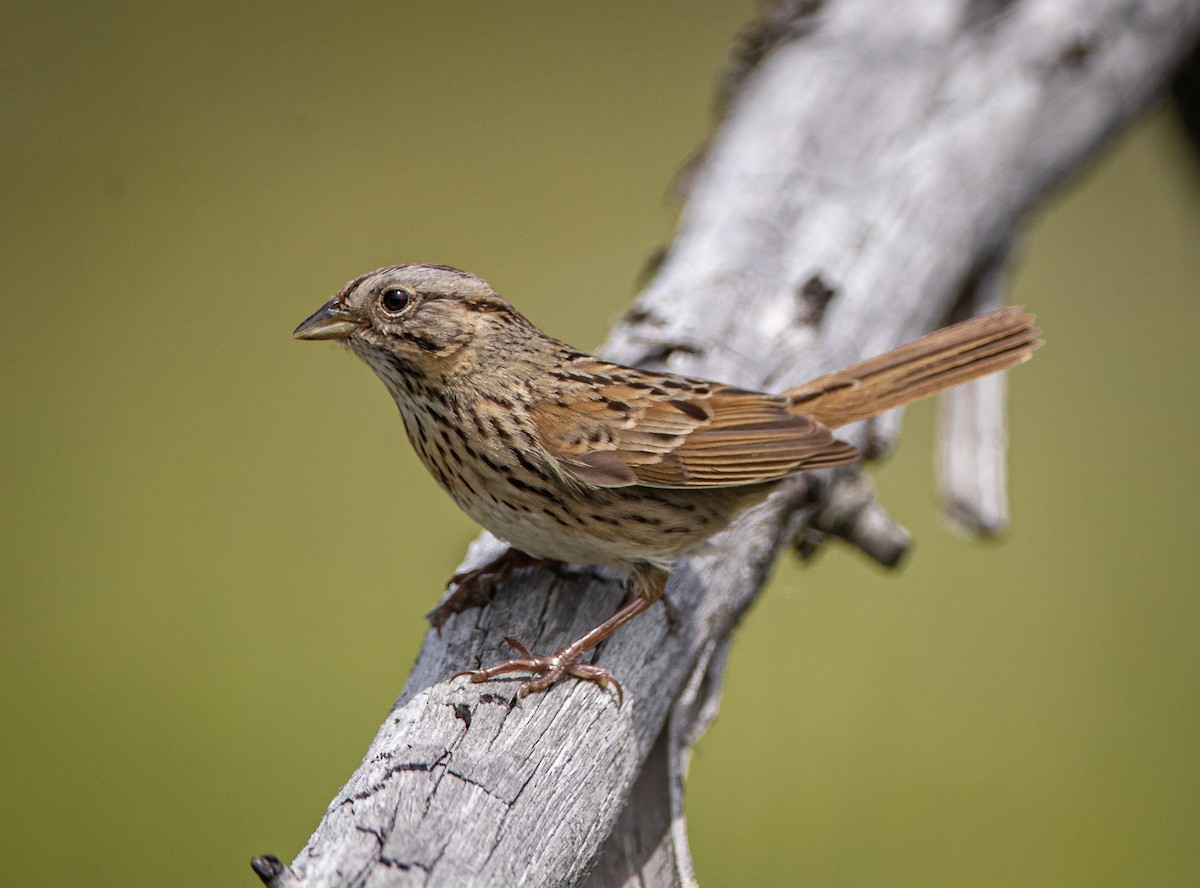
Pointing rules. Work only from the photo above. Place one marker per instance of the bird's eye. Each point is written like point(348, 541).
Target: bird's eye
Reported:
point(394, 300)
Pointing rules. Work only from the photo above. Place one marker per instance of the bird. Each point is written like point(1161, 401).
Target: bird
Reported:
point(572, 459)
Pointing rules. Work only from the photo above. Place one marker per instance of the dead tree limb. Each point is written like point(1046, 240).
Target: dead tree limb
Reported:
point(872, 168)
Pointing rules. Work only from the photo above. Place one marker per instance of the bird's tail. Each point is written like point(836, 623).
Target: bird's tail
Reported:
point(930, 365)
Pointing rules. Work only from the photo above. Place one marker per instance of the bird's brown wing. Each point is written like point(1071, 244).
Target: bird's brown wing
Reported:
point(694, 435)
point(619, 427)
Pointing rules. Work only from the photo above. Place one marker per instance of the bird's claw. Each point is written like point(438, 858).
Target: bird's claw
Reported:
point(473, 588)
point(549, 669)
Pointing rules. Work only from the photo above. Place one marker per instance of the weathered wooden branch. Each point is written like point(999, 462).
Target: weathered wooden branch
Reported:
point(871, 171)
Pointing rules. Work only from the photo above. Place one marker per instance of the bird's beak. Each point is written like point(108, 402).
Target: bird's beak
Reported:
point(327, 322)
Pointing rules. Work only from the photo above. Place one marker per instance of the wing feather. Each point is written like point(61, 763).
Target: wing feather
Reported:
point(707, 436)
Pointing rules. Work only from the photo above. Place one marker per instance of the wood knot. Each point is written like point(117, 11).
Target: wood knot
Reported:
point(814, 296)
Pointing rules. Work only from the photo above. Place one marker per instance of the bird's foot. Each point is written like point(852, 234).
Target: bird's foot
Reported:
point(548, 669)
point(473, 588)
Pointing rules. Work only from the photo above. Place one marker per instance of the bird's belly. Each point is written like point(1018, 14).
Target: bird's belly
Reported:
point(616, 527)
point(540, 535)
point(537, 512)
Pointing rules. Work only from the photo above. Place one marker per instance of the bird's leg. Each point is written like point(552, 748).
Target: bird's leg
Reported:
point(648, 585)
point(473, 588)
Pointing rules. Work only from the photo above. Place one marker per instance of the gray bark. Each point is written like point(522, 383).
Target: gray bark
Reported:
point(874, 162)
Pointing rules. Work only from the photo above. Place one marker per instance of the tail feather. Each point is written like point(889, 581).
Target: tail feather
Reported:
point(931, 364)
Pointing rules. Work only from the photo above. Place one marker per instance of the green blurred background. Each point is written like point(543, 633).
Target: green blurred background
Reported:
point(216, 546)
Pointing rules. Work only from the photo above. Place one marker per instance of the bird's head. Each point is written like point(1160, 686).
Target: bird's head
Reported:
point(421, 316)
